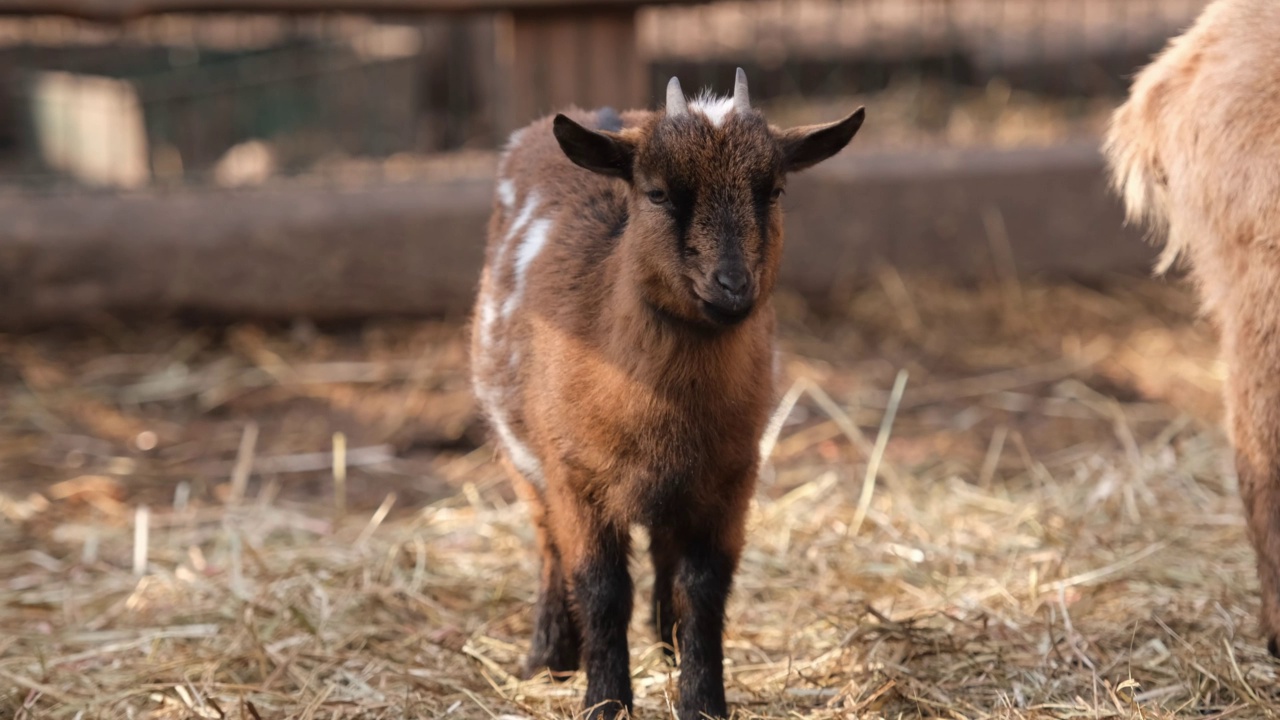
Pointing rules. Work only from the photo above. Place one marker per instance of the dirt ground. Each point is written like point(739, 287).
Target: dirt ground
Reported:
point(300, 522)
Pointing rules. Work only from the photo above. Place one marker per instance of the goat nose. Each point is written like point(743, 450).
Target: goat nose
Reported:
point(734, 280)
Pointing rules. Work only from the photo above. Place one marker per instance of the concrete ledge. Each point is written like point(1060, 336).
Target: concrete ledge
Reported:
point(416, 249)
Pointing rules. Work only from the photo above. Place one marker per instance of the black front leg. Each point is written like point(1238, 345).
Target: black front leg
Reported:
point(602, 593)
point(703, 579)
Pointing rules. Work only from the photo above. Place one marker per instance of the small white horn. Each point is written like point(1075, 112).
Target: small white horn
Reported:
point(741, 98)
point(676, 105)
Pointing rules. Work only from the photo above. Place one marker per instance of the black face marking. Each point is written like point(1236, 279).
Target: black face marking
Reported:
point(763, 202)
point(682, 200)
point(718, 180)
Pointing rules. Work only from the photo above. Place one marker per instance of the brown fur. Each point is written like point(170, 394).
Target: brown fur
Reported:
point(626, 394)
point(1196, 151)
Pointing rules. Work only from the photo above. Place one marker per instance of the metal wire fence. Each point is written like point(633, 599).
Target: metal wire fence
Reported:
point(235, 100)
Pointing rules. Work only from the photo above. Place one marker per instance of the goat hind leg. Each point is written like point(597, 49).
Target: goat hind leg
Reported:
point(557, 641)
point(1253, 407)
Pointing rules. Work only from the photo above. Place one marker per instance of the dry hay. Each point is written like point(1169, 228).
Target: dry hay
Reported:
point(1054, 532)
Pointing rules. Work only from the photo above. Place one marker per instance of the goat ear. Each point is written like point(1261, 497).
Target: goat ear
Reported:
point(600, 152)
point(804, 147)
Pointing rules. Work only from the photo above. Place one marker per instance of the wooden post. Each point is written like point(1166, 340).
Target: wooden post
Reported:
point(554, 58)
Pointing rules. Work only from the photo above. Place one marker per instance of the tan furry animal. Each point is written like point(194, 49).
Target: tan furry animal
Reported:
point(1195, 151)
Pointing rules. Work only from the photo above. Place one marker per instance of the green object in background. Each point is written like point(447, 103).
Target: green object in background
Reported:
point(307, 99)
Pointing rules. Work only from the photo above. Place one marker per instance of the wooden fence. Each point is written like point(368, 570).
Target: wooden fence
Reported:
point(557, 51)
point(415, 247)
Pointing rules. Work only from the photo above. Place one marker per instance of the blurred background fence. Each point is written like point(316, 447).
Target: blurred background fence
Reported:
point(119, 117)
point(236, 99)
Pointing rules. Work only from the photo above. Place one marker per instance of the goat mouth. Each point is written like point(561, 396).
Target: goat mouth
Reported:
point(726, 315)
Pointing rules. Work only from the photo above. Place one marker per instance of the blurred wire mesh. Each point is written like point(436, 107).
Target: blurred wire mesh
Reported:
point(241, 100)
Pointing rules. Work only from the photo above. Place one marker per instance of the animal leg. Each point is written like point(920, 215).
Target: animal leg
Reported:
point(1254, 409)
point(594, 554)
point(703, 579)
point(556, 639)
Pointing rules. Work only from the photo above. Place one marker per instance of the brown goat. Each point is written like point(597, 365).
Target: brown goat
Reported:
point(1195, 151)
point(622, 351)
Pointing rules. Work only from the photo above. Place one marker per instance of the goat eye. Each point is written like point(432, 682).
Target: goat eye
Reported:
point(657, 197)
point(777, 193)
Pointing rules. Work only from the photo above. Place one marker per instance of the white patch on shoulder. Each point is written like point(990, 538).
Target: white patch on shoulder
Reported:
point(519, 453)
point(715, 109)
point(489, 308)
point(507, 193)
point(488, 314)
point(525, 237)
point(526, 252)
point(533, 242)
point(521, 456)
point(526, 214)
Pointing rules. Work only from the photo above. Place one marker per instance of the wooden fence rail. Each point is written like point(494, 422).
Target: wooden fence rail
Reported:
point(124, 10)
point(416, 248)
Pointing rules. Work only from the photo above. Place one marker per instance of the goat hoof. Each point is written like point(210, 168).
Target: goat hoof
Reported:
point(608, 710)
point(557, 668)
